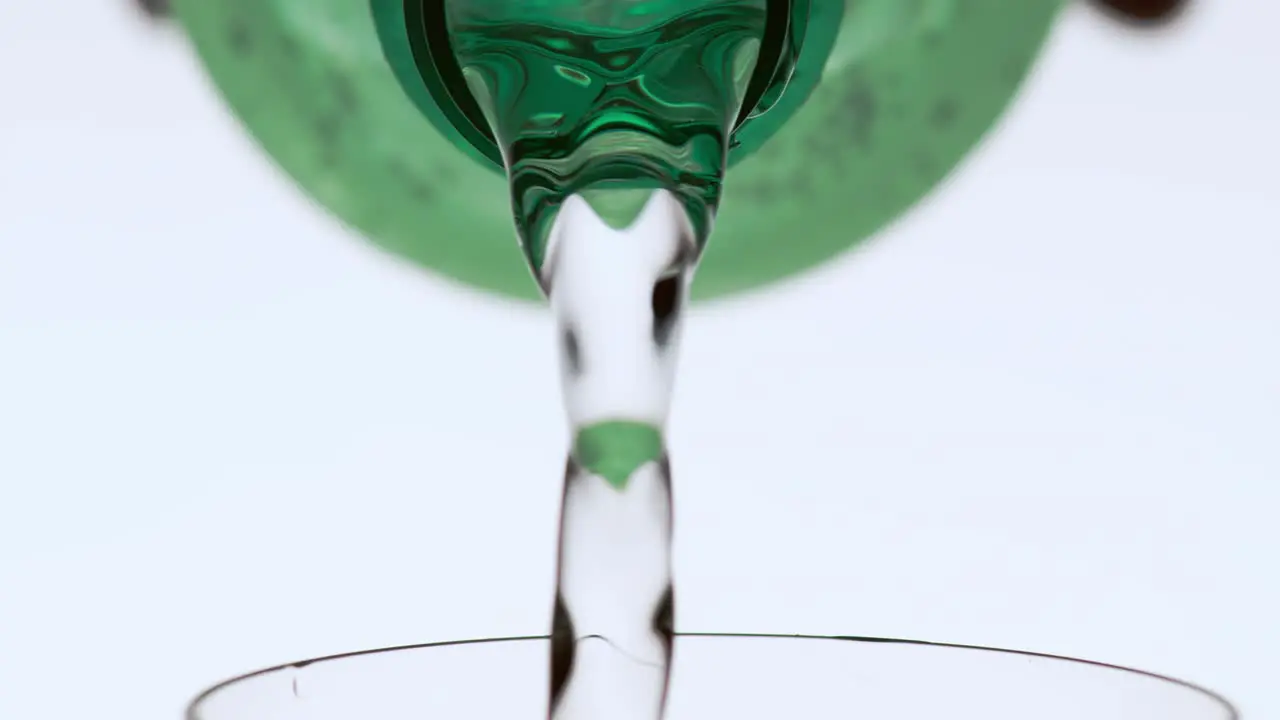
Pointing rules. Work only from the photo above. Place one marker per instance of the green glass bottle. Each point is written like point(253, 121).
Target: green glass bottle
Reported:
point(853, 111)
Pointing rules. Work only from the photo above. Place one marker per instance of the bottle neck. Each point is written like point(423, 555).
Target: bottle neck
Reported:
point(797, 38)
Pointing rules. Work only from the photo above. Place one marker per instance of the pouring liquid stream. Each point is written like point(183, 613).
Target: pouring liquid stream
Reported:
point(613, 117)
point(616, 296)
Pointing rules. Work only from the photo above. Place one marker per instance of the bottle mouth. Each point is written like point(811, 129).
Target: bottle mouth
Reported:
point(415, 38)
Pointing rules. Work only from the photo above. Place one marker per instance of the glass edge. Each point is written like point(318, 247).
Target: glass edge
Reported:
point(1233, 712)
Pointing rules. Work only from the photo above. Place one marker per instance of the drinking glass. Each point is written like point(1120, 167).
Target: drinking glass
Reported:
point(719, 676)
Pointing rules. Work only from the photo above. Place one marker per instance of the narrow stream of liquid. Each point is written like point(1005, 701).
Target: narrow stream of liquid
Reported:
point(616, 296)
point(613, 117)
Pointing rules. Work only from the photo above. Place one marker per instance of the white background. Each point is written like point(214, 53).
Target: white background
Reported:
point(1039, 413)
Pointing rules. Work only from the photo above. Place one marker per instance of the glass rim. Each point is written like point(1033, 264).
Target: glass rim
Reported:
point(1233, 713)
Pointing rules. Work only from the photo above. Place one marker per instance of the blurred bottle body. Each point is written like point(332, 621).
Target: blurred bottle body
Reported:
point(846, 119)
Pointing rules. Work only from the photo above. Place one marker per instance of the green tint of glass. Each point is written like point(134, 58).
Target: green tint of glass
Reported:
point(614, 449)
point(907, 91)
point(584, 94)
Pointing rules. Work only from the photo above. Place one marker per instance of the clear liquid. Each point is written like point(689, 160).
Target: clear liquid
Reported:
point(614, 118)
point(617, 297)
